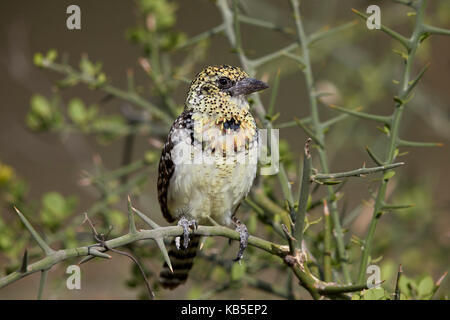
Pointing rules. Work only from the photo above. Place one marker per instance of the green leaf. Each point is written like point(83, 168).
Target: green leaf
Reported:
point(396, 152)
point(89, 68)
point(388, 270)
point(238, 271)
point(52, 54)
point(43, 114)
point(77, 111)
point(118, 219)
point(388, 175)
point(38, 59)
point(331, 182)
point(101, 78)
point(426, 287)
point(407, 286)
point(55, 208)
point(374, 294)
point(40, 106)
point(385, 130)
point(219, 274)
point(55, 201)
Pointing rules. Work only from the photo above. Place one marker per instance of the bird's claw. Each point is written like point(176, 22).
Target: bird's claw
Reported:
point(243, 238)
point(185, 224)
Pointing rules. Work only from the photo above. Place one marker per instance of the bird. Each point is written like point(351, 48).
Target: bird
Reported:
point(208, 162)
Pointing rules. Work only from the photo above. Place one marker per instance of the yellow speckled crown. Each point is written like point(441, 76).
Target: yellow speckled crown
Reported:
point(205, 87)
point(211, 74)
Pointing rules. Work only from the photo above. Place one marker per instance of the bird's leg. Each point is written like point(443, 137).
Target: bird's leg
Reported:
point(243, 237)
point(185, 224)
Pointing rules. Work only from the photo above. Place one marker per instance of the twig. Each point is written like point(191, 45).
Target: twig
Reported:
point(44, 246)
point(397, 285)
point(327, 271)
point(395, 35)
point(102, 243)
point(42, 282)
point(355, 173)
point(116, 92)
point(299, 220)
point(438, 283)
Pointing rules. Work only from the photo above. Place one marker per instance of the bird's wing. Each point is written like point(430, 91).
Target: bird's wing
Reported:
point(166, 164)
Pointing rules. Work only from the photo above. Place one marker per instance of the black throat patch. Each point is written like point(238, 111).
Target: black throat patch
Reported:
point(232, 124)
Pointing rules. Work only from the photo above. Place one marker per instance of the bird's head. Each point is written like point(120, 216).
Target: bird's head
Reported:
point(221, 87)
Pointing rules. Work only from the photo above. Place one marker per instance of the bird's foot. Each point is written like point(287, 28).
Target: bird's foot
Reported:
point(185, 224)
point(243, 238)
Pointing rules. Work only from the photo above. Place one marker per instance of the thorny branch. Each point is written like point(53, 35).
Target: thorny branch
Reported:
point(318, 136)
point(101, 238)
point(316, 287)
point(419, 34)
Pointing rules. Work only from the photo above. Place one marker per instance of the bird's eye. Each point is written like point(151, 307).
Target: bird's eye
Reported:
point(225, 82)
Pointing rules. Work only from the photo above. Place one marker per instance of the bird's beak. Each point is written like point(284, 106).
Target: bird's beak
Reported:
point(247, 86)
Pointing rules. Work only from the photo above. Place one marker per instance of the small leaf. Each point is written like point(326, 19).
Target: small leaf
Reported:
point(398, 100)
point(6, 174)
point(89, 68)
point(331, 182)
point(374, 294)
point(77, 111)
point(38, 59)
point(396, 152)
point(426, 287)
point(40, 106)
point(238, 271)
point(52, 54)
point(101, 78)
point(376, 260)
point(402, 54)
point(407, 286)
point(388, 175)
point(118, 219)
point(219, 274)
point(55, 208)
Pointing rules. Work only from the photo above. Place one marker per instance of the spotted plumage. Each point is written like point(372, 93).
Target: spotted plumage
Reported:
point(209, 160)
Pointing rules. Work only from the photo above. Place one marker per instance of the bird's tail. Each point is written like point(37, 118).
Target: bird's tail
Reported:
point(182, 260)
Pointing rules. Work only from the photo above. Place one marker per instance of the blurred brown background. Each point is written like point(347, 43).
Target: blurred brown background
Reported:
point(360, 65)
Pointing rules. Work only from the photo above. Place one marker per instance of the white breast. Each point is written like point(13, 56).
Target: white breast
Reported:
point(209, 185)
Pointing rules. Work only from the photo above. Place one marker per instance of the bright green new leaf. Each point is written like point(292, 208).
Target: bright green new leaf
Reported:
point(426, 287)
point(55, 208)
point(77, 111)
point(388, 175)
point(118, 219)
point(40, 106)
point(52, 54)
